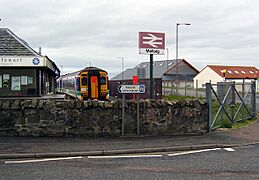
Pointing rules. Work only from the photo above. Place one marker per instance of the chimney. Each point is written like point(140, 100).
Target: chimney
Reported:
point(40, 50)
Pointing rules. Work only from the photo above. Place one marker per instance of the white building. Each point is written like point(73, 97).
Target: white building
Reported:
point(215, 73)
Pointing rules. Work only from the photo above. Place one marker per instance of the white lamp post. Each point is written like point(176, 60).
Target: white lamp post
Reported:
point(176, 54)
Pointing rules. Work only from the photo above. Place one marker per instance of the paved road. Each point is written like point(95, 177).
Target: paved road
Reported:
point(216, 164)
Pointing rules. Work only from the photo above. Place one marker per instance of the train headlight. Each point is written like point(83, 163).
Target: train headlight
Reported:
point(83, 89)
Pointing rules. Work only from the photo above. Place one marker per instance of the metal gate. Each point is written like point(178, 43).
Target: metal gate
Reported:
point(230, 102)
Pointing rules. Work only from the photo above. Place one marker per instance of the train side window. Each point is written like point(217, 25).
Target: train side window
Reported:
point(84, 81)
point(103, 81)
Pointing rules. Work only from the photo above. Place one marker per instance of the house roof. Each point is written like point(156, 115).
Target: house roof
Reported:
point(236, 72)
point(12, 45)
point(160, 68)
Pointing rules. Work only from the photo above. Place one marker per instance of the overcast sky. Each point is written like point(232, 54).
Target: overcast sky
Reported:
point(75, 34)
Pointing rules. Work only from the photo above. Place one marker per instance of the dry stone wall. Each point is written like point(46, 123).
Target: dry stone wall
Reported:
point(38, 117)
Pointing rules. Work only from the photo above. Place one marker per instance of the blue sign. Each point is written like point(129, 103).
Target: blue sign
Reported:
point(36, 61)
point(141, 88)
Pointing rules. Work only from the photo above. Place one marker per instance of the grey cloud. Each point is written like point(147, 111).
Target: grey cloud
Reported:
point(74, 33)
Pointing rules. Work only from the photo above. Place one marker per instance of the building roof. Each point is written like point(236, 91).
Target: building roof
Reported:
point(160, 68)
point(11, 45)
point(236, 72)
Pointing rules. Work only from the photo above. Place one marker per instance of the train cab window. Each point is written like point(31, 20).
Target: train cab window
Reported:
point(84, 81)
point(103, 80)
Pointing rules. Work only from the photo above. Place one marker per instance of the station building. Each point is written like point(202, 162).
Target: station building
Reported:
point(23, 71)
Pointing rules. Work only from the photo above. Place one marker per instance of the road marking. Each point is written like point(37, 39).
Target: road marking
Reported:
point(126, 156)
point(42, 160)
point(192, 152)
point(229, 149)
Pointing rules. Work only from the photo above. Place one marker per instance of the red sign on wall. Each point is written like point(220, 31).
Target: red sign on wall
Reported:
point(151, 43)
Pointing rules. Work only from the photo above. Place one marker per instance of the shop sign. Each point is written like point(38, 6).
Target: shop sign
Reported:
point(21, 61)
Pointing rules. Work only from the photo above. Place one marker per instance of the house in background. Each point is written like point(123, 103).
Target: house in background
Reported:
point(214, 74)
point(166, 69)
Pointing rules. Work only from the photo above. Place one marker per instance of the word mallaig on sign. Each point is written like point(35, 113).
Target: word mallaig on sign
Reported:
point(151, 43)
point(131, 89)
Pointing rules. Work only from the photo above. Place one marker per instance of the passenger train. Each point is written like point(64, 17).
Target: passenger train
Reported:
point(89, 83)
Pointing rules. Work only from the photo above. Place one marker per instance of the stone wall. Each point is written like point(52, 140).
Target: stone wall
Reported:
point(38, 117)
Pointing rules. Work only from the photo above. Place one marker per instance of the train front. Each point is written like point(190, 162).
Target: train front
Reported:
point(94, 84)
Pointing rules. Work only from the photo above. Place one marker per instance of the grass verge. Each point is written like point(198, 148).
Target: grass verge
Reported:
point(243, 123)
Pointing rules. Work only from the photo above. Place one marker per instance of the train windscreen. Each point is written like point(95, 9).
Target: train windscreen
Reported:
point(102, 80)
point(84, 81)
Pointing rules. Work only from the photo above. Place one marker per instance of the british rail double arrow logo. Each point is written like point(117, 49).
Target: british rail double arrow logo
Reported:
point(152, 40)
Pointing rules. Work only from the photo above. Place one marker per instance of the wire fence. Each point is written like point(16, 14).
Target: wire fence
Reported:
point(184, 88)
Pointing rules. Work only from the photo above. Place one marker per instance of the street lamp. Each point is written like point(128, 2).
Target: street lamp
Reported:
point(176, 54)
point(167, 58)
point(61, 66)
point(122, 68)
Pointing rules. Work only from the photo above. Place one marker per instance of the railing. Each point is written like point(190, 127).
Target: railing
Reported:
point(230, 102)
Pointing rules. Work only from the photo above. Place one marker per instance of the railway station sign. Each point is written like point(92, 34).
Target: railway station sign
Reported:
point(21, 61)
point(131, 89)
point(151, 43)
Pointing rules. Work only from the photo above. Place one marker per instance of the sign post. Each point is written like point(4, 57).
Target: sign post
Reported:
point(130, 89)
point(151, 78)
point(123, 115)
point(151, 43)
point(138, 114)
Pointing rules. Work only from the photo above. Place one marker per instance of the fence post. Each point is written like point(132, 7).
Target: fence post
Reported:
point(185, 88)
point(208, 98)
point(253, 99)
point(233, 99)
point(172, 87)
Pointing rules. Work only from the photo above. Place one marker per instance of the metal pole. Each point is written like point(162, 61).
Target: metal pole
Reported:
point(176, 54)
point(243, 89)
point(243, 96)
point(185, 88)
point(196, 88)
point(122, 68)
point(138, 133)
point(232, 105)
point(176, 58)
point(151, 77)
point(253, 99)
point(123, 115)
point(167, 53)
point(208, 98)
point(167, 50)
